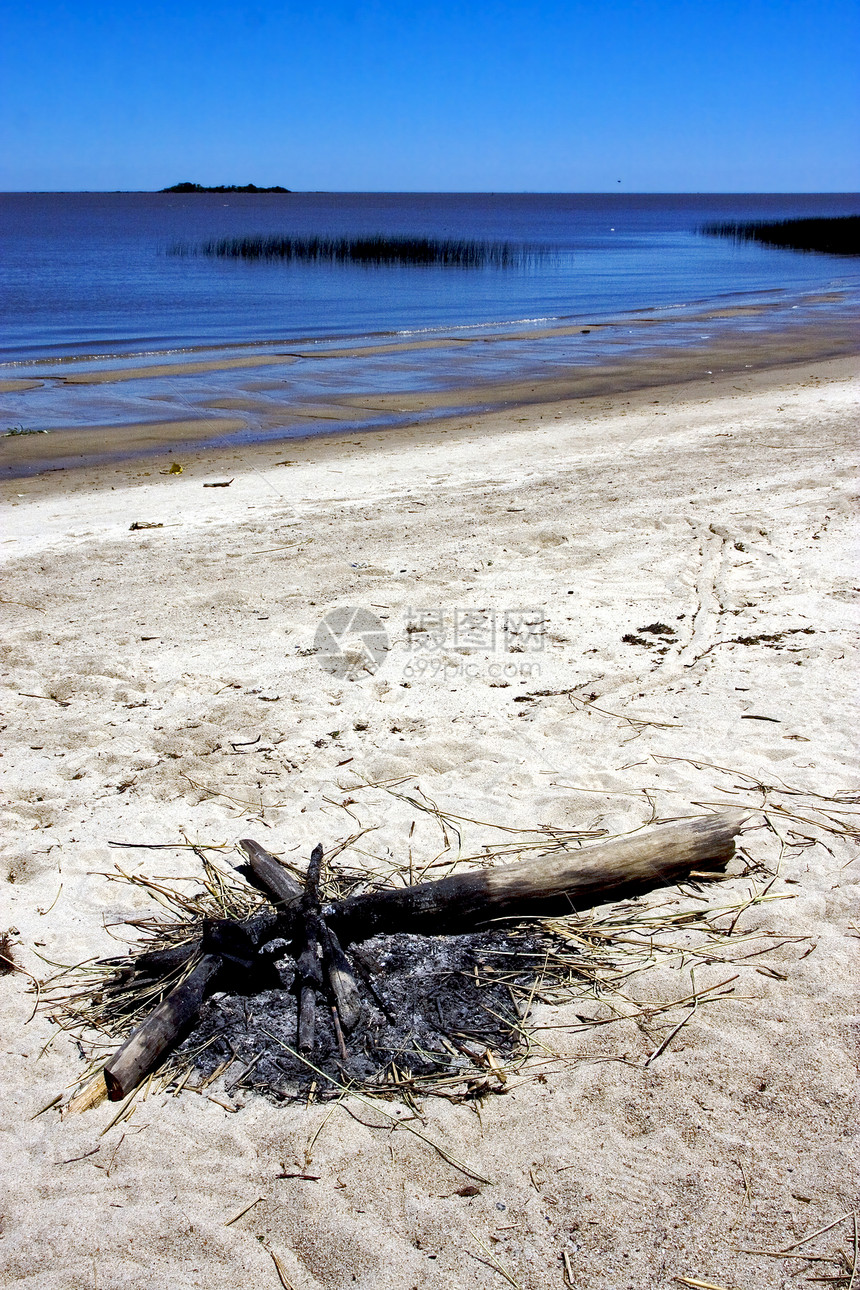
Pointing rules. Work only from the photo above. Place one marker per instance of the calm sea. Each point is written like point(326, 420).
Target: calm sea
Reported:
point(106, 332)
point(91, 274)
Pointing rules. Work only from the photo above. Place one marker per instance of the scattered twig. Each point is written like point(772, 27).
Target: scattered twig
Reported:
point(820, 1232)
point(73, 1159)
point(702, 1285)
point(854, 1260)
point(279, 1268)
point(788, 1252)
point(494, 1263)
point(661, 1047)
point(236, 1217)
point(47, 1107)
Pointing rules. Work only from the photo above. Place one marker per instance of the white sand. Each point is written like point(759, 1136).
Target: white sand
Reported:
point(724, 512)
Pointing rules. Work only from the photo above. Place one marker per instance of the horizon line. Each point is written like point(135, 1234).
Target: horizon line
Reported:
point(441, 192)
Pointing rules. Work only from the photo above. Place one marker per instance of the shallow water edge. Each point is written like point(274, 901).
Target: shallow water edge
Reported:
point(69, 416)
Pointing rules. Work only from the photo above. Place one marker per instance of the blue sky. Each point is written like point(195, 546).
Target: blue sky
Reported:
point(676, 96)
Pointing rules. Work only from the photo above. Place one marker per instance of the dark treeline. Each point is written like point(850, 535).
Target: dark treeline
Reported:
point(835, 235)
point(222, 188)
point(374, 250)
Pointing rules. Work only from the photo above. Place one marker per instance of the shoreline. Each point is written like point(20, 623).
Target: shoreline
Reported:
point(148, 474)
point(262, 419)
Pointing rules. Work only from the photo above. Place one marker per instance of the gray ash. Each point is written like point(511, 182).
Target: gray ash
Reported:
point(433, 1006)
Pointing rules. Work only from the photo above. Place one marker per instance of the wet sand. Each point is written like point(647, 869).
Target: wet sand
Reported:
point(105, 413)
point(71, 448)
point(110, 376)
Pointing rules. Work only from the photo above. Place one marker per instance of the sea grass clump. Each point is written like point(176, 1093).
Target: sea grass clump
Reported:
point(831, 235)
point(373, 250)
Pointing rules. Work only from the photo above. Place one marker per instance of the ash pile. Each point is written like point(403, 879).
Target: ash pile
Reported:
point(438, 1013)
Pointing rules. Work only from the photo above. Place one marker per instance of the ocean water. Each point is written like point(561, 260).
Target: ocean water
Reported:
point(85, 274)
point(116, 347)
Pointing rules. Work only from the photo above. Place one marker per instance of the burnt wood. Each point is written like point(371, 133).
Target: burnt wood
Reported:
point(309, 977)
point(279, 885)
point(341, 980)
point(558, 882)
point(283, 890)
point(163, 1028)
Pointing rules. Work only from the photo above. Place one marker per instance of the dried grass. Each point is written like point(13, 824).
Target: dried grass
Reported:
point(582, 964)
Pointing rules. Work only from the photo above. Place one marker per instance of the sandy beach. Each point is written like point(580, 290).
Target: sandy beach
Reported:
point(600, 612)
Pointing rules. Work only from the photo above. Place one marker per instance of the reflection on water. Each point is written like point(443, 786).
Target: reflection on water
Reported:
point(106, 330)
point(86, 273)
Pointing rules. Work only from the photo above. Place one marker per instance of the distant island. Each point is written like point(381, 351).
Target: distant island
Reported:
point(223, 188)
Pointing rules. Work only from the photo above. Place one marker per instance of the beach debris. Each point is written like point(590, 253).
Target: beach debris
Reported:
point(93, 1094)
point(250, 1205)
point(293, 945)
point(220, 483)
point(143, 524)
point(145, 1046)
point(25, 604)
point(279, 1268)
point(173, 469)
point(52, 698)
point(7, 960)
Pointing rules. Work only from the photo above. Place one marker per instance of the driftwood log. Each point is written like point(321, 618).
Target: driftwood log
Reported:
point(558, 882)
point(146, 1045)
point(561, 881)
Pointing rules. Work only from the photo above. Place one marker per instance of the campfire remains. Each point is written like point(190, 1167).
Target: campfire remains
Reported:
point(328, 973)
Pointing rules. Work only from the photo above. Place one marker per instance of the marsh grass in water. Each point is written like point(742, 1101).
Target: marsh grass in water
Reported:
point(372, 251)
point(838, 235)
